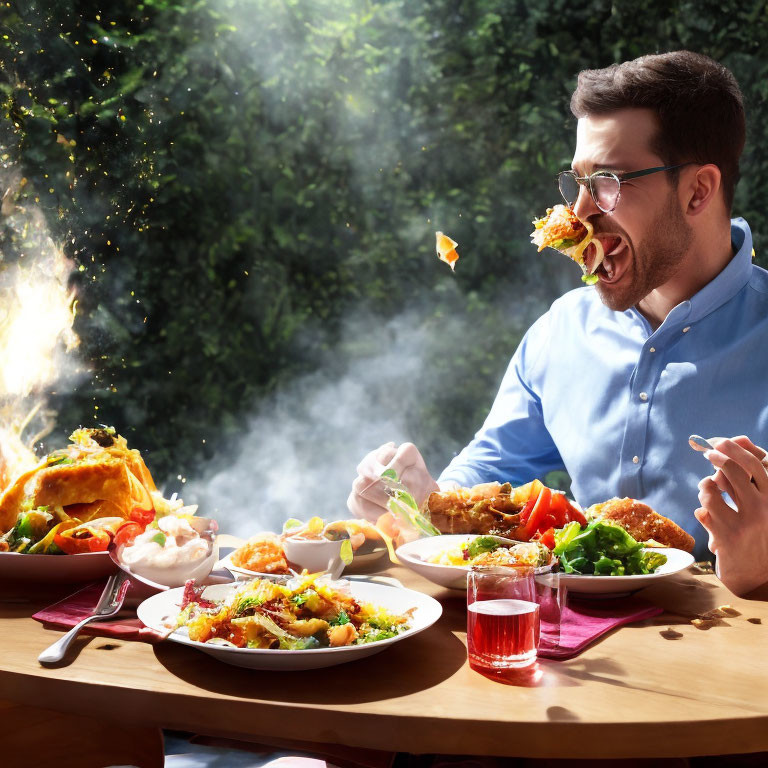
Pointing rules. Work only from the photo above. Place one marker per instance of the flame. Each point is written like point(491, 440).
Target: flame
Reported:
point(37, 314)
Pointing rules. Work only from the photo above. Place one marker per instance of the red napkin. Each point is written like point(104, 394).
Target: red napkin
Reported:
point(582, 622)
point(69, 611)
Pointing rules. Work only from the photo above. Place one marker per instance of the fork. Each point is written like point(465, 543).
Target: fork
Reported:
point(110, 602)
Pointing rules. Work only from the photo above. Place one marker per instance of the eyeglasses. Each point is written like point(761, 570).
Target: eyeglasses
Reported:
point(603, 186)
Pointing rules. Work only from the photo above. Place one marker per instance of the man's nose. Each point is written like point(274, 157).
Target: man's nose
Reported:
point(585, 205)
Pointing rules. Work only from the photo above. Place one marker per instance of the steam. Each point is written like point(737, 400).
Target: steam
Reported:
point(299, 452)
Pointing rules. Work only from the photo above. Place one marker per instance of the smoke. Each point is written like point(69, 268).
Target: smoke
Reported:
point(400, 379)
point(384, 381)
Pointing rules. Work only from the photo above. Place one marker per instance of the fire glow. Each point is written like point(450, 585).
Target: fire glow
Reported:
point(37, 314)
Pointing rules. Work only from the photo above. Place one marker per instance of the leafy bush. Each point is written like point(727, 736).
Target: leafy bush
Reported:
point(234, 177)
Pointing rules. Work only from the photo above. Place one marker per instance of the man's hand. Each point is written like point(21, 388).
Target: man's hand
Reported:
point(739, 537)
point(368, 498)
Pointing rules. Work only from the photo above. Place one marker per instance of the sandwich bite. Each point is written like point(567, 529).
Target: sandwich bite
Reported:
point(563, 231)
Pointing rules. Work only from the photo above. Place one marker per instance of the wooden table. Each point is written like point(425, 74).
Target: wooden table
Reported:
point(659, 688)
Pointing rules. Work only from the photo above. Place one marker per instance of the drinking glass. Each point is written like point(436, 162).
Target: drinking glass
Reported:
point(505, 609)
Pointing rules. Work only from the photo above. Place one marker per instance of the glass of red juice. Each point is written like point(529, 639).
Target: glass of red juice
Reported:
point(503, 618)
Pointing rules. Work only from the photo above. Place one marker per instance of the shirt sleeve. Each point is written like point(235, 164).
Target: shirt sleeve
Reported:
point(513, 445)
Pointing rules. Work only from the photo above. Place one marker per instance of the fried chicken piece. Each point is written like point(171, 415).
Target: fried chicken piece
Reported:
point(642, 523)
point(486, 508)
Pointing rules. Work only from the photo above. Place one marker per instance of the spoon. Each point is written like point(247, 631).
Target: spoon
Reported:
point(699, 443)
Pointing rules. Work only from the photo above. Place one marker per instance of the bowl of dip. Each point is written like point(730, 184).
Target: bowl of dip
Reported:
point(166, 556)
point(314, 555)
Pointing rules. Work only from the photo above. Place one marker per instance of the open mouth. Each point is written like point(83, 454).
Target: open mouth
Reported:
point(615, 260)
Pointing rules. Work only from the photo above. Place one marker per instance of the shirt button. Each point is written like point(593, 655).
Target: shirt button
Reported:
point(686, 329)
point(652, 349)
point(635, 459)
point(643, 396)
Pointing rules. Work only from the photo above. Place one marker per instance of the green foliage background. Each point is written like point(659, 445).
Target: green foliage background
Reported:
point(234, 177)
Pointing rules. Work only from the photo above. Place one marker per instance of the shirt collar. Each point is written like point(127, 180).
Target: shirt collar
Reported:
point(731, 280)
point(717, 292)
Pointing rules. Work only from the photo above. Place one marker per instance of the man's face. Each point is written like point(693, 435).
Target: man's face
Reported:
point(646, 236)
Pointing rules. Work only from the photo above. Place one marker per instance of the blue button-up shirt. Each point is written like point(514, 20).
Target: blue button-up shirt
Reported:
point(602, 395)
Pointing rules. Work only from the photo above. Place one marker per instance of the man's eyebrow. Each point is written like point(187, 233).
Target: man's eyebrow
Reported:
point(606, 167)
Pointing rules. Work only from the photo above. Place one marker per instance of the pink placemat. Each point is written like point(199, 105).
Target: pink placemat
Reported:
point(584, 621)
point(69, 611)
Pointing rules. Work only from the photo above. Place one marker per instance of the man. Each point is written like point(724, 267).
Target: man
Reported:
point(671, 341)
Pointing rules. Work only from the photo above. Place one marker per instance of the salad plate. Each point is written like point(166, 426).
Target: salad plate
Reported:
point(416, 555)
point(612, 586)
point(66, 569)
point(158, 613)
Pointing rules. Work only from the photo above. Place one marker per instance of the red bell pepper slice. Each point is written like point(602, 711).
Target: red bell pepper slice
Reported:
point(76, 541)
point(142, 517)
point(127, 532)
point(540, 509)
point(548, 538)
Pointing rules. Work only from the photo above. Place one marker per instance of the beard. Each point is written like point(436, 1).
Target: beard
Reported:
point(653, 261)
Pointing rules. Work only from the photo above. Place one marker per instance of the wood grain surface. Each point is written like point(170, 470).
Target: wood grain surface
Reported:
point(659, 688)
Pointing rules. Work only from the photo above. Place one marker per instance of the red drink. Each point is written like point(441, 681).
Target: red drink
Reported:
point(502, 633)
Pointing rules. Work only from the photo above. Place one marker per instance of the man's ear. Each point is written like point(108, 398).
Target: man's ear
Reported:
point(702, 189)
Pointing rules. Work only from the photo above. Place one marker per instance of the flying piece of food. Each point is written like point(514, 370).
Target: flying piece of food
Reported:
point(446, 249)
point(562, 230)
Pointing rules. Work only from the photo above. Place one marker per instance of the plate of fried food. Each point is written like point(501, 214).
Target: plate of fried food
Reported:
point(314, 546)
point(618, 546)
point(60, 515)
point(296, 623)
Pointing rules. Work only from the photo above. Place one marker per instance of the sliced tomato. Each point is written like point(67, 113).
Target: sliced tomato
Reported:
point(548, 538)
point(576, 514)
point(539, 511)
point(525, 493)
point(525, 513)
point(127, 532)
point(559, 508)
point(142, 516)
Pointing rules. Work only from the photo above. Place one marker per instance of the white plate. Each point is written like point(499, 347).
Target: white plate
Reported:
point(359, 561)
point(65, 569)
point(154, 612)
point(378, 555)
point(677, 561)
point(236, 570)
point(415, 553)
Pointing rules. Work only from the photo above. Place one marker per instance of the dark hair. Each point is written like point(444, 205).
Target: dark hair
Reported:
point(697, 100)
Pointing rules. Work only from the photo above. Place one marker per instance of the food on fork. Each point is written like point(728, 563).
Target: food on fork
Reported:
point(563, 231)
point(642, 523)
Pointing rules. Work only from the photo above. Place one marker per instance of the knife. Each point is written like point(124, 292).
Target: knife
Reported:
point(110, 602)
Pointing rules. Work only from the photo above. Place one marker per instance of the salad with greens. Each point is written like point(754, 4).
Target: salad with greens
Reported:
point(603, 549)
point(306, 612)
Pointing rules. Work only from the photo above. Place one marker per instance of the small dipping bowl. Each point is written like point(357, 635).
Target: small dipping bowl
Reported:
point(156, 578)
point(314, 555)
